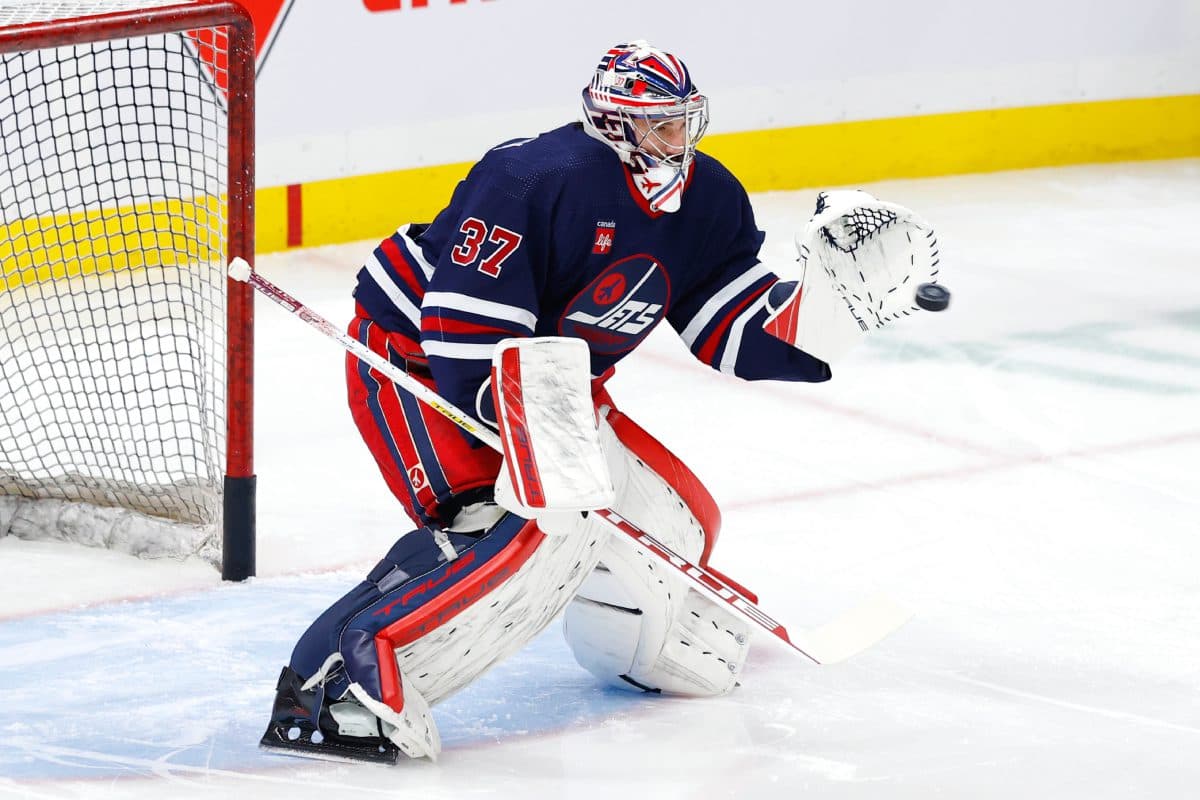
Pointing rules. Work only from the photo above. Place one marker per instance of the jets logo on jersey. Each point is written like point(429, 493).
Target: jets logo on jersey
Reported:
point(605, 232)
point(619, 308)
point(610, 289)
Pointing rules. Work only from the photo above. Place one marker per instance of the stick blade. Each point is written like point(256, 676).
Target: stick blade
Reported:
point(854, 631)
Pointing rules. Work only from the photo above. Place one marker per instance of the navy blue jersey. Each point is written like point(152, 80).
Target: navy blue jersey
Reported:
point(549, 236)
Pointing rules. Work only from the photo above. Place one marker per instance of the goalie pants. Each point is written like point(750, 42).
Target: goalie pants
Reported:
point(399, 617)
point(423, 457)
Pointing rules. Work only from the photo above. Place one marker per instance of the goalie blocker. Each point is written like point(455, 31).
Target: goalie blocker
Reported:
point(450, 600)
point(553, 460)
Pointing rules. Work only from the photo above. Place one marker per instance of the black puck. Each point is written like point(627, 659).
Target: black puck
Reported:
point(932, 297)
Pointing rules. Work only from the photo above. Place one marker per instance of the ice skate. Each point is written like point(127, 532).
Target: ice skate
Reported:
point(338, 731)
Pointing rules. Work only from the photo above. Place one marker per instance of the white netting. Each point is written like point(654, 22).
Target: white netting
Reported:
point(18, 12)
point(112, 333)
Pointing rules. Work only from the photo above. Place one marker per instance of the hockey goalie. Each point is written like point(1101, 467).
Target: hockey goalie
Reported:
point(552, 261)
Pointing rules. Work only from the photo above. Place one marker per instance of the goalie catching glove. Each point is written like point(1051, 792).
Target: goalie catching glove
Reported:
point(862, 261)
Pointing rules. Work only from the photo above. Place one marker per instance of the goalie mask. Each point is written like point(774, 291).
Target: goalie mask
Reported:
point(642, 103)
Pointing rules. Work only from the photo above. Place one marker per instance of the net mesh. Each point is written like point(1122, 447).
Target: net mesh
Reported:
point(112, 241)
point(22, 12)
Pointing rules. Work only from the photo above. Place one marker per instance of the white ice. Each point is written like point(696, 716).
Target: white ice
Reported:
point(1021, 469)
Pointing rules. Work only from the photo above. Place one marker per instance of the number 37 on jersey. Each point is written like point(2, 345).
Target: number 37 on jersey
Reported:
point(489, 245)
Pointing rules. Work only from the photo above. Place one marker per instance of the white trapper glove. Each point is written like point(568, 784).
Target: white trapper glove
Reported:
point(863, 260)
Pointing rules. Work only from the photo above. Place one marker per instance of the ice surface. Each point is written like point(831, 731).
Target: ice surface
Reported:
point(1022, 469)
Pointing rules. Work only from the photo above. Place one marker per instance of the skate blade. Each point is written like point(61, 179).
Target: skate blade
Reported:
point(276, 741)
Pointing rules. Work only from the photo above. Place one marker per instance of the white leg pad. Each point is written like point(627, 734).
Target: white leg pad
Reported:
point(457, 652)
point(691, 647)
point(634, 623)
point(493, 626)
point(704, 651)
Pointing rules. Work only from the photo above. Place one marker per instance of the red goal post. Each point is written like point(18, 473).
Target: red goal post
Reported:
point(126, 354)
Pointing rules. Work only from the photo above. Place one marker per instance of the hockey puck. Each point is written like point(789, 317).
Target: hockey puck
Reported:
point(932, 297)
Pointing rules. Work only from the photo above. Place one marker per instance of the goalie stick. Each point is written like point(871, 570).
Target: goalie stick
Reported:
point(847, 635)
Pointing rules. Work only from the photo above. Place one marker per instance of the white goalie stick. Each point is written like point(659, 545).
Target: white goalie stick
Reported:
point(845, 636)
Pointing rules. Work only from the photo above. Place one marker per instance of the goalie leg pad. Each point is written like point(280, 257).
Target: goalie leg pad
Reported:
point(636, 624)
point(439, 610)
point(658, 492)
point(699, 654)
point(411, 729)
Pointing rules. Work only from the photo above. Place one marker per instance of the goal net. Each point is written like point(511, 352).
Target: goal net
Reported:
point(125, 182)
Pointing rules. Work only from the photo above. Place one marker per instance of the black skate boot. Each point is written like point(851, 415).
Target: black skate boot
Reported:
point(304, 723)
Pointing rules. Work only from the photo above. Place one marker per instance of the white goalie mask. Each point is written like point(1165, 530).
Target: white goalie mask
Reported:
point(642, 103)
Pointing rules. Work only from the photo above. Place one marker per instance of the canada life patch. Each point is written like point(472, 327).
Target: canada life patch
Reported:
point(605, 234)
point(620, 306)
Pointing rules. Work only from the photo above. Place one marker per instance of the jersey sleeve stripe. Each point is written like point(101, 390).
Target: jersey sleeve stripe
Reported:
point(378, 272)
point(432, 318)
point(733, 342)
point(708, 351)
point(482, 308)
point(414, 252)
point(458, 350)
point(447, 325)
point(719, 300)
point(401, 265)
